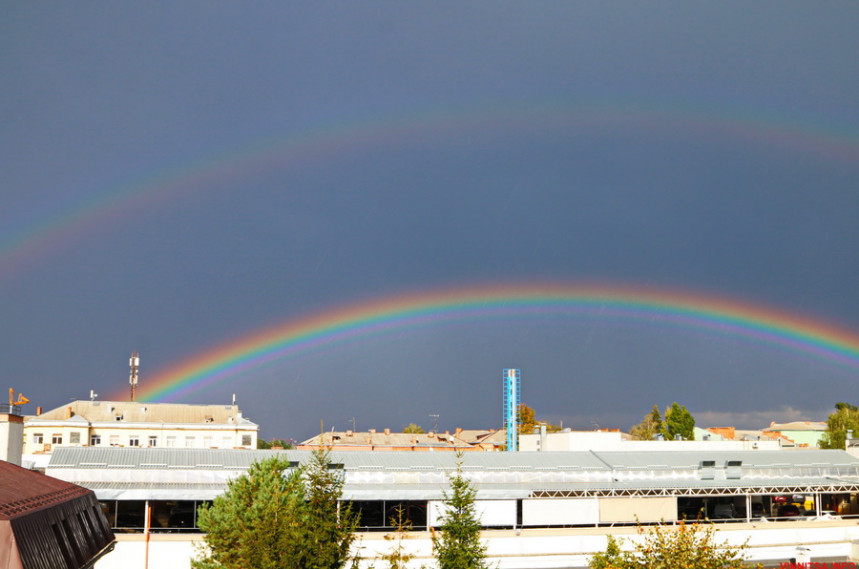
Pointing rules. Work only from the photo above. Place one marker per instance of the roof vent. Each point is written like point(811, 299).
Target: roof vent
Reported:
point(733, 469)
point(708, 469)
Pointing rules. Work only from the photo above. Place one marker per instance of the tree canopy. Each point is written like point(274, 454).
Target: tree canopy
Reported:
point(845, 418)
point(457, 544)
point(413, 428)
point(279, 516)
point(650, 426)
point(691, 546)
point(273, 443)
point(679, 421)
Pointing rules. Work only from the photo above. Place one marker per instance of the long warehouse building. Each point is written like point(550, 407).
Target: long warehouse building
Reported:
point(514, 489)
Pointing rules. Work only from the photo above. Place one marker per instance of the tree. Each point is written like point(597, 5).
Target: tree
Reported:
point(273, 443)
point(457, 544)
point(526, 418)
point(413, 429)
point(649, 427)
point(691, 546)
point(278, 516)
point(845, 418)
point(397, 558)
point(679, 421)
point(330, 526)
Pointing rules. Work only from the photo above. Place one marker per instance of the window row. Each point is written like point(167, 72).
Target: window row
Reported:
point(169, 441)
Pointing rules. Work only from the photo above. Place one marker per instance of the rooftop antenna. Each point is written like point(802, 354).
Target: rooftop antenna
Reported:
point(234, 399)
point(92, 395)
point(134, 363)
point(434, 417)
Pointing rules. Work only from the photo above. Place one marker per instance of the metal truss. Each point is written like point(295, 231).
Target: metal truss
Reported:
point(691, 491)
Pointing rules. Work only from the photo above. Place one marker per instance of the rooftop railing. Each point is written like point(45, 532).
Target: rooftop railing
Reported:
point(7, 409)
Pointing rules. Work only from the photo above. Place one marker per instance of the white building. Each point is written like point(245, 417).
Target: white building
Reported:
point(135, 424)
point(615, 441)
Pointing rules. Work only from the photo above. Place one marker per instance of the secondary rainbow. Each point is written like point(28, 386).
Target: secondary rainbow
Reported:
point(712, 314)
point(21, 243)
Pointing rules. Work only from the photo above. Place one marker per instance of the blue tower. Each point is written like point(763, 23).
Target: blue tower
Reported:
point(512, 390)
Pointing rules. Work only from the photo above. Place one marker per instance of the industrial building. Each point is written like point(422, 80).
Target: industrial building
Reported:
point(525, 489)
point(547, 509)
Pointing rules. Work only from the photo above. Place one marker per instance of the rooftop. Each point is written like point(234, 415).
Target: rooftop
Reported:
point(134, 412)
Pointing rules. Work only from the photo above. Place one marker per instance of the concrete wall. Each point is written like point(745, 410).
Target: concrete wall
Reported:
point(530, 548)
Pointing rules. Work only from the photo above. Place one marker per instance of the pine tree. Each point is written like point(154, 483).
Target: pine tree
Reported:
point(277, 516)
point(457, 544)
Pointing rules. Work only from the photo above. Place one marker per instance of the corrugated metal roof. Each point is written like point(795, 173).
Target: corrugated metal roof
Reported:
point(99, 457)
point(126, 473)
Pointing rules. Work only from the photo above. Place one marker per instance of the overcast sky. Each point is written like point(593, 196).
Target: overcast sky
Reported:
point(176, 176)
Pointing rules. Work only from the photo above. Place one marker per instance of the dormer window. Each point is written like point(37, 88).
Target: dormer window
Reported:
point(118, 417)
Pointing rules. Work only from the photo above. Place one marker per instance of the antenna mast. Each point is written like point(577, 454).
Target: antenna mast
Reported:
point(134, 363)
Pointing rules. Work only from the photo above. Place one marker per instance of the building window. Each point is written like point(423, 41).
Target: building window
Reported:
point(190, 442)
point(153, 441)
point(38, 438)
point(246, 440)
point(57, 439)
point(226, 442)
point(95, 440)
point(134, 441)
point(75, 438)
point(207, 442)
point(114, 440)
point(171, 442)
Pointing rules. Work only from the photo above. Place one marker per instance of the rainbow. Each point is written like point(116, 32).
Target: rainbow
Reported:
point(21, 242)
point(712, 314)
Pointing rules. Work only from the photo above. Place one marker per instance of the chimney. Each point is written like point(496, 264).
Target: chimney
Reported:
point(387, 431)
point(11, 436)
point(430, 435)
point(458, 431)
point(372, 431)
point(69, 413)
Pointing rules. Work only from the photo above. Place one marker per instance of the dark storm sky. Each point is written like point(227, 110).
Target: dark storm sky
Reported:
point(176, 176)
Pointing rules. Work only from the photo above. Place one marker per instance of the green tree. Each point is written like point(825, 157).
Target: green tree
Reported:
point(413, 428)
point(457, 544)
point(679, 421)
point(273, 443)
point(329, 525)
point(278, 516)
point(650, 426)
point(845, 418)
point(690, 546)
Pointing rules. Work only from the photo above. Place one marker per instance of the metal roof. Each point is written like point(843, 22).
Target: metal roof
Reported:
point(135, 473)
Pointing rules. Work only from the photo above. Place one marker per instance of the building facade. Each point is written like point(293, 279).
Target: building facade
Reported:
point(142, 425)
